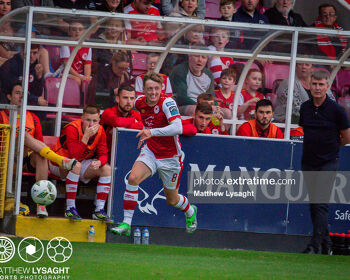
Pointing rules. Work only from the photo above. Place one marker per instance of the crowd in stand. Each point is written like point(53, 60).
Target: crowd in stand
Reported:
point(185, 78)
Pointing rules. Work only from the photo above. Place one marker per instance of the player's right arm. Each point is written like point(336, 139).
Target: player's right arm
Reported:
point(110, 118)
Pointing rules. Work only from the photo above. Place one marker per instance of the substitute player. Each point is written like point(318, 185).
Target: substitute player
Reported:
point(35, 151)
point(85, 139)
point(162, 153)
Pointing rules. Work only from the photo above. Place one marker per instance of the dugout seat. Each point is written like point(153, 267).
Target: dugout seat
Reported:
point(212, 9)
point(345, 102)
point(274, 74)
point(138, 63)
point(54, 56)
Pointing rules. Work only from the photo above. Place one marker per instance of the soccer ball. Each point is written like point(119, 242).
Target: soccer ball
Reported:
point(44, 192)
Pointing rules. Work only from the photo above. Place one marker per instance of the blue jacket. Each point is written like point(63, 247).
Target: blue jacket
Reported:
point(242, 16)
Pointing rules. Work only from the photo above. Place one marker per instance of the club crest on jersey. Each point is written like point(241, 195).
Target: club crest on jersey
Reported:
point(142, 111)
point(156, 109)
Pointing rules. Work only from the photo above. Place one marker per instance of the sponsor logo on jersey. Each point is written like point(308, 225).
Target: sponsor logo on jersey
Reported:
point(173, 110)
point(215, 131)
point(170, 103)
point(156, 109)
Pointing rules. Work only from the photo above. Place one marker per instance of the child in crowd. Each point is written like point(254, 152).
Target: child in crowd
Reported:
point(249, 95)
point(81, 67)
point(185, 8)
point(227, 9)
point(225, 96)
point(151, 63)
point(220, 38)
point(143, 32)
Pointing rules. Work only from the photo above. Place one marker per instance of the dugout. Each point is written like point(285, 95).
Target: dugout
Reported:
point(284, 46)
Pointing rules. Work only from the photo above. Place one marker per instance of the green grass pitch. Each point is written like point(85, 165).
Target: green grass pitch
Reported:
point(94, 261)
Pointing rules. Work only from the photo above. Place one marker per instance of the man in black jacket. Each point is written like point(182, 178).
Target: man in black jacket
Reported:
point(282, 14)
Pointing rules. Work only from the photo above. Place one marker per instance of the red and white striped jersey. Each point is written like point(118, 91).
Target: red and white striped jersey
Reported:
point(158, 116)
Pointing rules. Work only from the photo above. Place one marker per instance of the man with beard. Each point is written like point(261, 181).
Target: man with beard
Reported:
point(261, 126)
point(282, 14)
point(122, 114)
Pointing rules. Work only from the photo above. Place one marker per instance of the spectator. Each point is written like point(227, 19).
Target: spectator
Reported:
point(261, 125)
point(75, 4)
point(80, 69)
point(250, 95)
point(332, 46)
point(224, 95)
point(122, 114)
point(12, 70)
point(38, 3)
point(248, 13)
point(199, 123)
point(301, 93)
point(216, 125)
point(35, 151)
point(185, 8)
point(326, 128)
point(7, 49)
point(169, 5)
point(188, 80)
point(113, 33)
point(142, 32)
point(112, 6)
point(227, 9)
point(110, 77)
point(152, 60)
point(282, 14)
point(195, 36)
point(85, 140)
point(220, 38)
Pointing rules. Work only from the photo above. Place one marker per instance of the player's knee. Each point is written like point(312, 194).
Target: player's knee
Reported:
point(134, 179)
point(77, 168)
point(106, 170)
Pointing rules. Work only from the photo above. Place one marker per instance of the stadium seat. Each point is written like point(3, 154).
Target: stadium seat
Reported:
point(212, 9)
point(342, 79)
point(54, 56)
point(345, 102)
point(71, 98)
point(138, 63)
point(275, 72)
point(272, 96)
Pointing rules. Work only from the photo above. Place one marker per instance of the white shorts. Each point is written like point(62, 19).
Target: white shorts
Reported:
point(55, 170)
point(169, 169)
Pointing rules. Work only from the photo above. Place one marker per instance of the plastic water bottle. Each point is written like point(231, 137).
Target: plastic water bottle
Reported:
point(145, 236)
point(137, 236)
point(91, 234)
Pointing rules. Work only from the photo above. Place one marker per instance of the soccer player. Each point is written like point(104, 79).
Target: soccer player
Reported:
point(217, 114)
point(200, 122)
point(36, 152)
point(161, 153)
point(261, 126)
point(123, 114)
point(85, 139)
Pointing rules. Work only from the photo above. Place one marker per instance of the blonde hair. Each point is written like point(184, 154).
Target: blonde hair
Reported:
point(155, 77)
